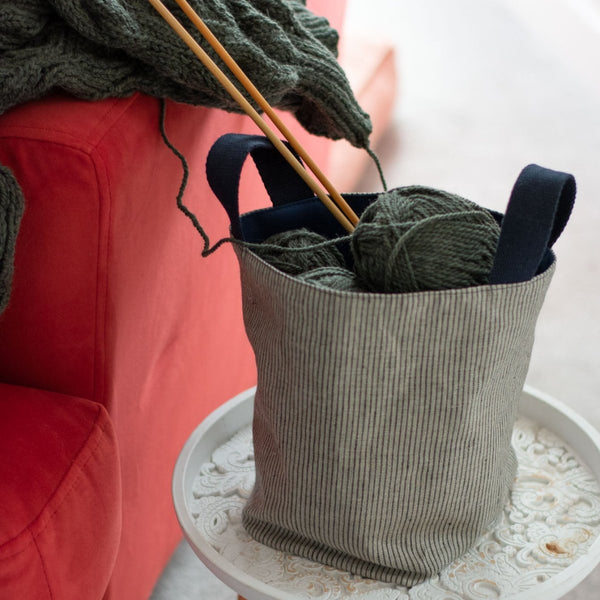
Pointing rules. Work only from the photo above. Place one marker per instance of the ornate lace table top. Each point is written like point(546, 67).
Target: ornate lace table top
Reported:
point(551, 521)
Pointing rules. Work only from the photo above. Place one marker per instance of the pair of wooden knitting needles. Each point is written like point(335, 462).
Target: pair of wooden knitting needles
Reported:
point(336, 204)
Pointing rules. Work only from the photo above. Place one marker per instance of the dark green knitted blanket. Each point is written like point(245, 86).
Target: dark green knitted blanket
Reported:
point(112, 48)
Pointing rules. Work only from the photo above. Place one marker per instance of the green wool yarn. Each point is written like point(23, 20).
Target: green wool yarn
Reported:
point(112, 48)
point(298, 251)
point(417, 238)
point(410, 239)
point(335, 278)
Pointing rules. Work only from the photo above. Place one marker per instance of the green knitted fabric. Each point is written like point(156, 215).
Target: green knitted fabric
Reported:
point(102, 48)
point(11, 211)
point(113, 48)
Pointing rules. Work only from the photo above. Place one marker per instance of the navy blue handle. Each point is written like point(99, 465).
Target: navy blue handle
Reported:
point(538, 210)
point(224, 167)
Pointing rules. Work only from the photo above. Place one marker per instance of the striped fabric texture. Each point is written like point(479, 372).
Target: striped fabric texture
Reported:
point(382, 422)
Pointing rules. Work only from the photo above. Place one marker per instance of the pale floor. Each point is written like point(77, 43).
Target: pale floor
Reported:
point(486, 88)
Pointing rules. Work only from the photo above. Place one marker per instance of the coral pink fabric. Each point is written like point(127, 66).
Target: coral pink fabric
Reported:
point(112, 303)
point(60, 500)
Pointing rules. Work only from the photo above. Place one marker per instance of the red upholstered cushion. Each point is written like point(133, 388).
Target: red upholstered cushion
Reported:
point(111, 301)
point(54, 321)
point(60, 503)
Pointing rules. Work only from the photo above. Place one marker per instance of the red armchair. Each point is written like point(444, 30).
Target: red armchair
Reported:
point(118, 338)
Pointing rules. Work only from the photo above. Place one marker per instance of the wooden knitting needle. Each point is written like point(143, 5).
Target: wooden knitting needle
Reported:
point(251, 112)
point(209, 36)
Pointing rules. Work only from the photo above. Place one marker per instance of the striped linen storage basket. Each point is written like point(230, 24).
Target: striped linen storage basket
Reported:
point(382, 422)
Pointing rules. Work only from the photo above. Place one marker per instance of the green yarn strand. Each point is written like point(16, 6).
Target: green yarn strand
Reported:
point(379, 168)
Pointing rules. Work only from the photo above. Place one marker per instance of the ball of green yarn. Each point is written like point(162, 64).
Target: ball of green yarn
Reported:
point(335, 278)
point(299, 250)
point(417, 238)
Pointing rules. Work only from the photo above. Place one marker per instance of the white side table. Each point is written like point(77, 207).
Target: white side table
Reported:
point(546, 542)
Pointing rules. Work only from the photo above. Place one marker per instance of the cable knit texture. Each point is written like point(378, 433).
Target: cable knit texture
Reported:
point(11, 211)
point(113, 48)
point(104, 48)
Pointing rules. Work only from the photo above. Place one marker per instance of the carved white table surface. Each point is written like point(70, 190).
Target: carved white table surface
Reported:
point(545, 543)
